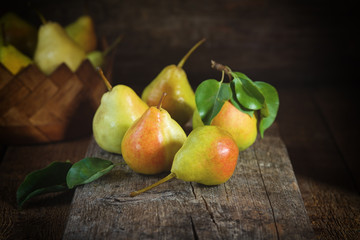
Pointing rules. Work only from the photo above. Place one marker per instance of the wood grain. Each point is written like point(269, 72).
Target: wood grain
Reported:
point(249, 206)
point(328, 188)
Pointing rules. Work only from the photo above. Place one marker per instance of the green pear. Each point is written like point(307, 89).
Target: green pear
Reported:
point(82, 31)
point(150, 144)
point(208, 156)
point(173, 80)
point(120, 107)
point(19, 33)
point(240, 125)
point(96, 58)
point(13, 59)
point(55, 47)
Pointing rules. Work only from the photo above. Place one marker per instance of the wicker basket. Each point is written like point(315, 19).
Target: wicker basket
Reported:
point(35, 108)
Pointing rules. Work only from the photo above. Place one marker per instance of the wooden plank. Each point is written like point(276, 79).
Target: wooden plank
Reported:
point(330, 196)
point(261, 201)
point(43, 217)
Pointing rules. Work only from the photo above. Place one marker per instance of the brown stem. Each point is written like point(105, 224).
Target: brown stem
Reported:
point(161, 100)
point(221, 67)
point(107, 83)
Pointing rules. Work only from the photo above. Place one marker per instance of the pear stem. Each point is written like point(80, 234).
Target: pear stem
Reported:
point(113, 45)
point(221, 67)
point(107, 83)
point(183, 60)
point(42, 18)
point(167, 178)
point(161, 100)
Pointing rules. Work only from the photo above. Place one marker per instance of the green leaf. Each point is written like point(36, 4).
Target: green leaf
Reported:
point(271, 106)
point(87, 170)
point(246, 91)
point(210, 96)
point(49, 179)
point(234, 100)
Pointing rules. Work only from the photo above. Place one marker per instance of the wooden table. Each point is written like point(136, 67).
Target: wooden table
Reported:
point(317, 139)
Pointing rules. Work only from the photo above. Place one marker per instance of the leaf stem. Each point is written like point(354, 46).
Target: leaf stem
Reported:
point(222, 76)
point(167, 178)
point(107, 83)
point(183, 60)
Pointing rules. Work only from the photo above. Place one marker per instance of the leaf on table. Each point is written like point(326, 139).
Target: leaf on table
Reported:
point(247, 93)
point(49, 179)
point(87, 170)
point(271, 105)
point(210, 96)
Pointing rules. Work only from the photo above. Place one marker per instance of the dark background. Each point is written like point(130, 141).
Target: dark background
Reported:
point(285, 43)
point(309, 50)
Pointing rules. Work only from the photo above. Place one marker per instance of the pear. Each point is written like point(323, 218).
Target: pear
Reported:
point(208, 156)
point(240, 125)
point(173, 80)
point(150, 144)
point(19, 33)
point(82, 31)
point(13, 59)
point(55, 47)
point(118, 110)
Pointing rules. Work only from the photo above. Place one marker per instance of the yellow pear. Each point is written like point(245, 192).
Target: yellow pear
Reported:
point(55, 47)
point(82, 31)
point(120, 107)
point(240, 125)
point(13, 59)
point(173, 80)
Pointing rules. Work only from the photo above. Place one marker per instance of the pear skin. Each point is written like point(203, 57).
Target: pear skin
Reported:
point(173, 80)
point(120, 107)
point(55, 47)
point(13, 59)
point(240, 125)
point(82, 31)
point(150, 144)
point(180, 102)
point(208, 156)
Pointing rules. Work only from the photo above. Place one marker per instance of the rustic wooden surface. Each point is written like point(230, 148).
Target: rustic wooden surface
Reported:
point(249, 206)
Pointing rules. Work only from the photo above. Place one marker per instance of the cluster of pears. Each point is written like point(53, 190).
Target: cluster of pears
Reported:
point(148, 131)
point(151, 142)
point(50, 45)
